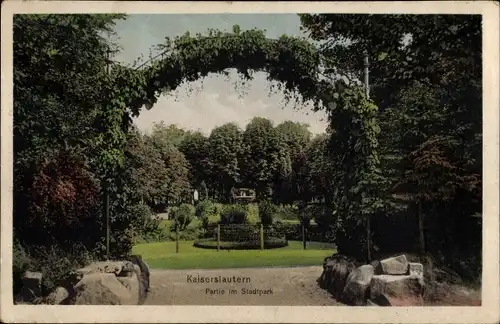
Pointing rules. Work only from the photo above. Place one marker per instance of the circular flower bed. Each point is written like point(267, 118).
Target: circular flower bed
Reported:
point(269, 243)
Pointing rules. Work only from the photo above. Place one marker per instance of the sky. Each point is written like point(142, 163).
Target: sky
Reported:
point(214, 101)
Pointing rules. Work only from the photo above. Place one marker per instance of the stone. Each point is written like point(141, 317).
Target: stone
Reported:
point(102, 289)
point(336, 270)
point(32, 286)
point(58, 296)
point(133, 285)
point(393, 266)
point(357, 284)
point(416, 269)
point(119, 268)
point(145, 273)
point(397, 290)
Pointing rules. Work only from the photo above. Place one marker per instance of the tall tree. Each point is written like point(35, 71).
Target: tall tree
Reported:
point(262, 156)
point(294, 137)
point(59, 75)
point(194, 146)
point(426, 77)
point(224, 148)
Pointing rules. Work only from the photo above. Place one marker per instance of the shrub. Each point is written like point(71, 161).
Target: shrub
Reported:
point(234, 214)
point(266, 212)
point(188, 234)
point(253, 212)
point(183, 216)
point(205, 209)
point(293, 232)
point(322, 215)
point(287, 212)
point(239, 232)
point(21, 262)
point(56, 263)
point(269, 243)
point(59, 202)
point(139, 214)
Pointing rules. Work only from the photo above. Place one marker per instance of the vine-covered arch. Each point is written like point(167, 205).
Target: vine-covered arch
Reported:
point(292, 61)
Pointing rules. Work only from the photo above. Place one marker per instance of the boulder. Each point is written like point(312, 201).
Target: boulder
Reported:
point(58, 296)
point(416, 269)
point(119, 268)
point(145, 273)
point(393, 266)
point(132, 283)
point(402, 290)
point(102, 289)
point(336, 270)
point(357, 284)
point(32, 286)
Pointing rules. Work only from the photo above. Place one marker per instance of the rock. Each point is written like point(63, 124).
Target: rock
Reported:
point(32, 286)
point(357, 284)
point(416, 269)
point(403, 290)
point(102, 289)
point(133, 285)
point(58, 296)
point(145, 273)
point(119, 268)
point(336, 270)
point(393, 266)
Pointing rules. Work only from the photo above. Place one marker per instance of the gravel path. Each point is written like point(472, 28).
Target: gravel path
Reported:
point(257, 286)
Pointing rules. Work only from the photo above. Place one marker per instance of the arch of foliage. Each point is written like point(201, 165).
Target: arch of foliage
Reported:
point(293, 62)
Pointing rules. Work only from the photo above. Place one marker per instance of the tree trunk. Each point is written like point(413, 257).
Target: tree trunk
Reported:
point(421, 242)
point(368, 239)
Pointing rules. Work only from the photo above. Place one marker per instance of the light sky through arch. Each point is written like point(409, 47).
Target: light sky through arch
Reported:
point(216, 102)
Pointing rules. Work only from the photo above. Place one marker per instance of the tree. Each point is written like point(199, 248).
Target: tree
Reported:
point(262, 156)
point(426, 78)
point(320, 170)
point(58, 95)
point(436, 177)
point(171, 134)
point(176, 187)
point(194, 146)
point(148, 168)
point(295, 137)
point(224, 147)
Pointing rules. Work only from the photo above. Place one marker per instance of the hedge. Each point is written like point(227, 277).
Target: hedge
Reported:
point(269, 243)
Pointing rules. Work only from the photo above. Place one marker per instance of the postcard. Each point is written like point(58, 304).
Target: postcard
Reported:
point(250, 162)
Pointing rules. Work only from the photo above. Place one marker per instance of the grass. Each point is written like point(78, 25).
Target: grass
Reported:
point(162, 256)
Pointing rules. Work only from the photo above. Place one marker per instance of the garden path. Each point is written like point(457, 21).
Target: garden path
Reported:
point(292, 286)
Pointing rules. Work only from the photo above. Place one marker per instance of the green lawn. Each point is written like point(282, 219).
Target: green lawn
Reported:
point(162, 256)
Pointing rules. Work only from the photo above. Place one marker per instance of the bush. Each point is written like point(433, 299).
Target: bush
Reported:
point(139, 214)
point(58, 202)
point(234, 214)
point(56, 263)
point(205, 209)
point(21, 262)
point(287, 213)
point(188, 234)
point(266, 212)
point(183, 216)
point(239, 233)
point(293, 232)
point(322, 215)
